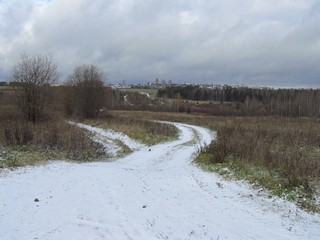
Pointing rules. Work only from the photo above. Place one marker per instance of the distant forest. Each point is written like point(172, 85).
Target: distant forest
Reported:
point(265, 101)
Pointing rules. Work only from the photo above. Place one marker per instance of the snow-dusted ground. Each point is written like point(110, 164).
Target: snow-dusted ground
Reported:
point(157, 194)
point(108, 139)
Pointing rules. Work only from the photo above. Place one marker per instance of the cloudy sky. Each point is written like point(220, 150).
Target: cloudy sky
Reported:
point(249, 42)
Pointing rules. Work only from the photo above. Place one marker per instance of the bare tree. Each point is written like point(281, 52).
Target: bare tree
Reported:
point(33, 77)
point(88, 91)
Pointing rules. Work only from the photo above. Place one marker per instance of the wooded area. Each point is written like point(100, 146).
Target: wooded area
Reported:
point(253, 101)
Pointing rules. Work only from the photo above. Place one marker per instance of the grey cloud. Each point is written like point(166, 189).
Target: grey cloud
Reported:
point(274, 43)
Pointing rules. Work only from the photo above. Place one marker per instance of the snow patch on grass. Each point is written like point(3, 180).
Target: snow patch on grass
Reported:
point(113, 142)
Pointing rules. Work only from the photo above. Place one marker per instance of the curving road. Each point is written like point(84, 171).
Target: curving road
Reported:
point(155, 193)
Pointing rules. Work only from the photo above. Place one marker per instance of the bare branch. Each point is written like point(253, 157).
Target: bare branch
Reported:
point(33, 77)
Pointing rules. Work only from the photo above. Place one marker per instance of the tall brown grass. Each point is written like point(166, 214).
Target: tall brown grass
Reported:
point(289, 148)
point(149, 126)
point(47, 137)
point(137, 127)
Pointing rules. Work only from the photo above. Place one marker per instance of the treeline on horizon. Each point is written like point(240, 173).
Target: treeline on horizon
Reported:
point(252, 101)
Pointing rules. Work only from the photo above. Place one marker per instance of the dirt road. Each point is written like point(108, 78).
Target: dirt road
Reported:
point(155, 193)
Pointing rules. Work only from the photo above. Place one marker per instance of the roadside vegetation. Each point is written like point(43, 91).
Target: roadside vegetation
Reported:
point(32, 127)
point(281, 155)
point(144, 130)
point(23, 143)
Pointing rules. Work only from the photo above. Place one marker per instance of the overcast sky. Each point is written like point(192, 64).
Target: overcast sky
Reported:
point(249, 42)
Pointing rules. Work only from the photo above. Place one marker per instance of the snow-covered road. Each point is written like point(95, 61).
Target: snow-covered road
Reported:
point(157, 194)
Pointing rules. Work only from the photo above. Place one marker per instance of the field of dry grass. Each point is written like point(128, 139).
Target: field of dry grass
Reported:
point(282, 155)
point(136, 127)
point(23, 143)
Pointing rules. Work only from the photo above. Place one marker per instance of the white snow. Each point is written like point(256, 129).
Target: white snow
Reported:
point(109, 137)
point(157, 194)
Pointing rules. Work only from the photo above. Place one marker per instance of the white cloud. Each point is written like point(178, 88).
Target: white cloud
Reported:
point(251, 41)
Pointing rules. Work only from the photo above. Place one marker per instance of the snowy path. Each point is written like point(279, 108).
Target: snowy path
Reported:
point(157, 194)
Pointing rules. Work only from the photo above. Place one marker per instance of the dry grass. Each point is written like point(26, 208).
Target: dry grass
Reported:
point(136, 127)
point(282, 155)
point(25, 143)
point(289, 146)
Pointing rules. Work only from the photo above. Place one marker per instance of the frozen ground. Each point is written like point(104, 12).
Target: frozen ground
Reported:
point(157, 194)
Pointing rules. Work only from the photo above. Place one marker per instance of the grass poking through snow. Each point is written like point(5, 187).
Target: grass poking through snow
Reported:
point(145, 131)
